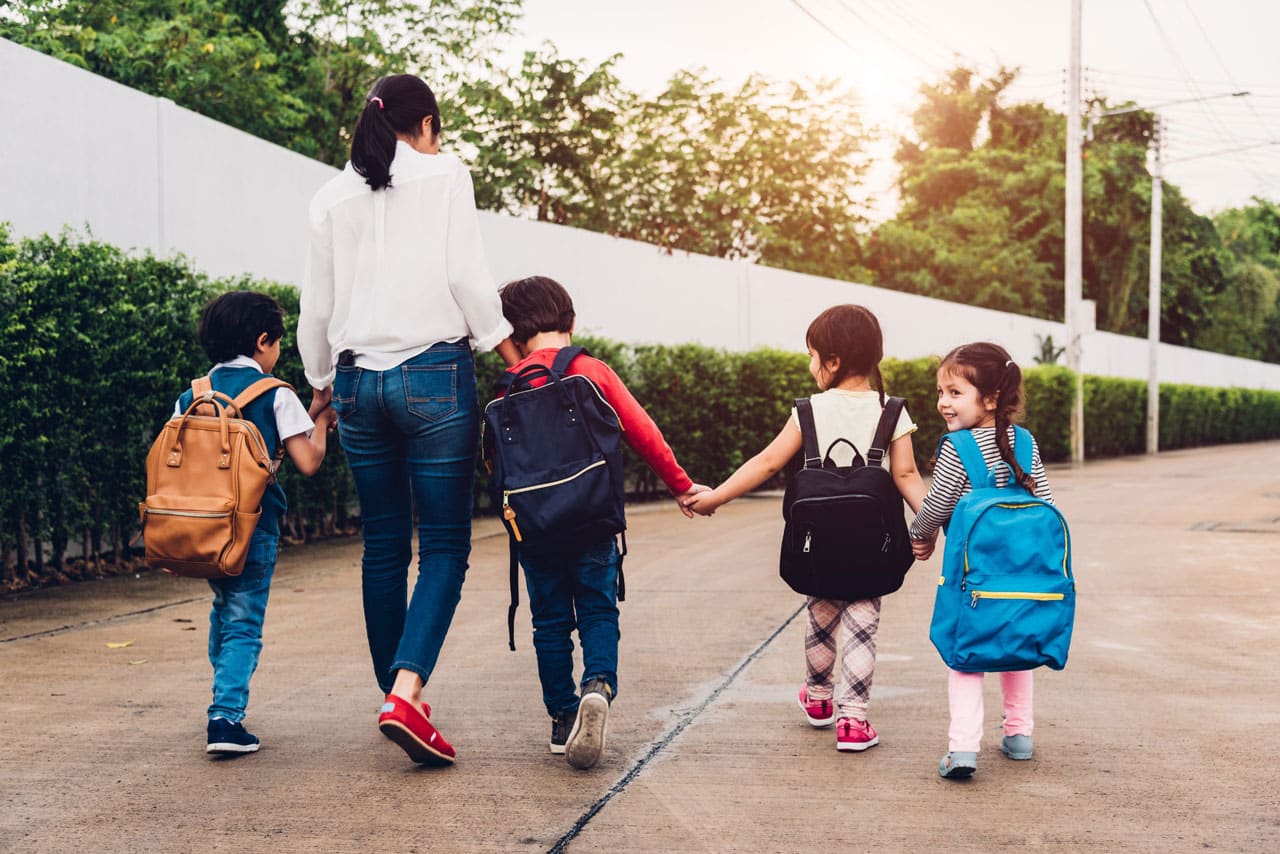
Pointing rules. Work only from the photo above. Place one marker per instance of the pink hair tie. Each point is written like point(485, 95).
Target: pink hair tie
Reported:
point(379, 100)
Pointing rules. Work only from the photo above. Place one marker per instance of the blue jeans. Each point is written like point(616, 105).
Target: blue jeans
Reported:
point(410, 435)
point(573, 588)
point(235, 627)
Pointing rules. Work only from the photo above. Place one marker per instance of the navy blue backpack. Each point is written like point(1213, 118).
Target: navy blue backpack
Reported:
point(555, 455)
point(1007, 597)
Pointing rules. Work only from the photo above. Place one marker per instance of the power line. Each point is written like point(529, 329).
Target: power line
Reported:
point(1221, 63)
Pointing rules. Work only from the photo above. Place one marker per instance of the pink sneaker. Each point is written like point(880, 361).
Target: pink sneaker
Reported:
point(819, 712)
point(853, 734)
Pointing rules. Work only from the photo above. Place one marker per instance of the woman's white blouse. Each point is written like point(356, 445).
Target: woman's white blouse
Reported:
point(394, 271)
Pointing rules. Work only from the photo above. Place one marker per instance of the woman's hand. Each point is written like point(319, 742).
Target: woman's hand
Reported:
point(321, 399)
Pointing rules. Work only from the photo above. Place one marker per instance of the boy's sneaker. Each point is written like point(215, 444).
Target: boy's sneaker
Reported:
point(853, 734)
point(819, 712)
point(958, 765)
point(586, 738)
point(561, 726)
point(229, 739)
point(1017, 746)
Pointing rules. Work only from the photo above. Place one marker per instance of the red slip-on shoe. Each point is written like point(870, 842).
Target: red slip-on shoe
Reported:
point(409, 728)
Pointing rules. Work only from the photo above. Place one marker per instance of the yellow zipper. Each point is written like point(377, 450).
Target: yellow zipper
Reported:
point(1038, 597)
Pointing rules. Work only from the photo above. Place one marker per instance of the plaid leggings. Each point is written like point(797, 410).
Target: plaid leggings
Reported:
point(860, 619)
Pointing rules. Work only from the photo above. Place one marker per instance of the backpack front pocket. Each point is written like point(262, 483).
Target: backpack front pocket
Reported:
point(187, 529)
point(1005, 628)
point(555, 506)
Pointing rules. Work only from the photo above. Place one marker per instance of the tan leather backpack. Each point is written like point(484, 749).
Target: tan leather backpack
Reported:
point(206, 474)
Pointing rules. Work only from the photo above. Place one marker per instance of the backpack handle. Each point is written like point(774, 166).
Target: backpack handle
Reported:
point(857, 457)
point(975, 466)
point(215, 399)
point(879, 445)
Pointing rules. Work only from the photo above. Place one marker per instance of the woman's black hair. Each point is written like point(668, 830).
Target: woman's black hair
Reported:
point(396, 105)
point(536, 304)
point(851, 334)
point(231, 324)
point(995, 375)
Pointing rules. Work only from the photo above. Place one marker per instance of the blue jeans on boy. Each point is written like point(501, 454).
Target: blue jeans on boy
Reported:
point(575, 587)
point(410, 435)
point(235, 627)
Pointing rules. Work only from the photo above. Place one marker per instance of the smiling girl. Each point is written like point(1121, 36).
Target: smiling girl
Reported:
point(979, 390)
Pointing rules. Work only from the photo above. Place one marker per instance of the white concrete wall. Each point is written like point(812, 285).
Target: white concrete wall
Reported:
point(142, 173)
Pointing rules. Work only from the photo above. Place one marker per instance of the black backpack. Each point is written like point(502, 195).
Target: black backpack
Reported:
point(555, 456)
point(846, 535)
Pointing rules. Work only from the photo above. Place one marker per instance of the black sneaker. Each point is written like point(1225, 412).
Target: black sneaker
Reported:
point(586, 738)
point(228, 739)
point(561, 725)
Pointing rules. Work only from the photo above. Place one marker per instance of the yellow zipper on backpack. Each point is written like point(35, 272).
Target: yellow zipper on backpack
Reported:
point(1037, 597)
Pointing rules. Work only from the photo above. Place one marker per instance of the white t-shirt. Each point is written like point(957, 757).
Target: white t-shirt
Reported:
point(291, 416)
point(852, 415)
point(391, 272)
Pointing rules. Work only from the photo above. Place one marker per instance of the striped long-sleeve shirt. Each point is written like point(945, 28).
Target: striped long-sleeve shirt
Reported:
point(950, 482)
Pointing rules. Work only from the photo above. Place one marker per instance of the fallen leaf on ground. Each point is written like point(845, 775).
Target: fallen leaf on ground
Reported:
point(118, 644)
point(137, 661)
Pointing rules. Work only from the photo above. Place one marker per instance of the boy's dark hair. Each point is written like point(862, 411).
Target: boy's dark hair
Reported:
point(994, 374)
point(397, 104)
point(851, 334)
point(536, 304)
point(231, 323)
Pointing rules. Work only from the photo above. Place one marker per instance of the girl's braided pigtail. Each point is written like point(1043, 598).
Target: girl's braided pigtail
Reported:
point(1008, 399)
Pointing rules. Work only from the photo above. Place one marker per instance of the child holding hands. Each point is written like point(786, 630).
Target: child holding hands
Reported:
point(980, 390)
point(845, 348)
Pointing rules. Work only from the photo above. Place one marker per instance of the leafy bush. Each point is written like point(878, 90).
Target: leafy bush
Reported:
point(95, 345)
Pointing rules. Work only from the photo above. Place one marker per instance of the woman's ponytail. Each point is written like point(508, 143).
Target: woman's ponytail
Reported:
point(373, 145)
point(395, 107)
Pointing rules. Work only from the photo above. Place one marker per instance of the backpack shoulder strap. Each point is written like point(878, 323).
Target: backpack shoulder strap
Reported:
point(975, 466)
point(808, 433)
point(564, 358)
point(884, 430)
point(257, 390)
point(1022, 447)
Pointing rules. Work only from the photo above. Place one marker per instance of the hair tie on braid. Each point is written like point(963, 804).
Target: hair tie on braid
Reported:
point(379, 100)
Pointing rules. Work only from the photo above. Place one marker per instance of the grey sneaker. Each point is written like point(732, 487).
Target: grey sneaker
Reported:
point(958, 765)
point(586, 738)
point(561, 725)
point(1017, 746)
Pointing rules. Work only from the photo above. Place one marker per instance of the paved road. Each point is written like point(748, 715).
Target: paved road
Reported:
point(1163, 734)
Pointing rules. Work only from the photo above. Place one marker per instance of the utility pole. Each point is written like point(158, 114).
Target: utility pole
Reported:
point(1153, 291)
point(1073, 284)
point(1157, 229)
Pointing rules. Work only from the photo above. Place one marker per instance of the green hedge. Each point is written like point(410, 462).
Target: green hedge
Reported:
point(95, 345)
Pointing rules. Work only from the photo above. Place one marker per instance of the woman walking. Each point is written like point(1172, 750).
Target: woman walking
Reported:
point(397, 295)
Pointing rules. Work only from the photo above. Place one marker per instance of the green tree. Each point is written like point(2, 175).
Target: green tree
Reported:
point(767, 172)
point(545, 138)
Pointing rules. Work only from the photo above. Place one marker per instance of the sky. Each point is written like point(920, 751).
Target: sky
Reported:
point(1151, 52)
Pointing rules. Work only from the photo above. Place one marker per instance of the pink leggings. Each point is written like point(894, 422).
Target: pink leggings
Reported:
point(965, 693)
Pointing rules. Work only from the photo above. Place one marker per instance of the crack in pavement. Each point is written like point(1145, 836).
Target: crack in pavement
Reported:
point(667, 737)
point(71, 627)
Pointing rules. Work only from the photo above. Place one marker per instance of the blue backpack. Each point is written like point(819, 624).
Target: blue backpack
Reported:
point(1007, 597)
point(554, 451)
